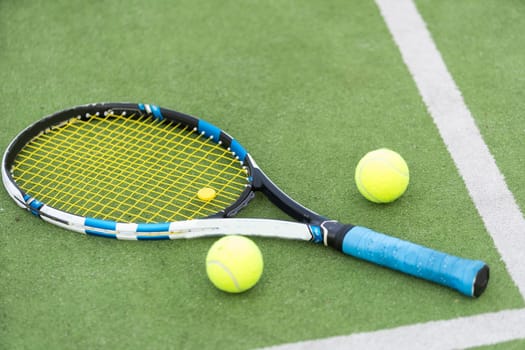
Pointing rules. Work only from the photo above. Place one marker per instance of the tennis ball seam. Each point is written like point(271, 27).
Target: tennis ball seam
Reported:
point(394, 167)
point(228, 271)
point(391, 165)
point(364, 189)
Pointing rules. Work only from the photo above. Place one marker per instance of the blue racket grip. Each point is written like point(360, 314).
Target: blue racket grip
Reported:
point(469, 277)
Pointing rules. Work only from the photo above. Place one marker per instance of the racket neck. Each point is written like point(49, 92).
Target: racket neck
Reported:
point(283, 201)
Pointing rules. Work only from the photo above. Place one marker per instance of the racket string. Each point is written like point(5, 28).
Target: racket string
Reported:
point(130, 174)
point(82, 168)
point(213, 180)
point(87, 172)
point(118, 157)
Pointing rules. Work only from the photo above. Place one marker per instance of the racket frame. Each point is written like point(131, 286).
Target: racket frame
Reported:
point(470, 277)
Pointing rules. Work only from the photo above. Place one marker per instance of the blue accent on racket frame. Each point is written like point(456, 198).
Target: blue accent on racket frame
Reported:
point(33, 205)
point(101, 224)
point(162, 227)
point(317, 233)
point(413, 259)
point(239, 150)
point(209, 130)
point(156, 112)
point(153, 238)
point(101, 234)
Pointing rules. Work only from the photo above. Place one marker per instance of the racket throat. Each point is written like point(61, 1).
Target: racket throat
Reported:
point(334, 233)
point(261, 182)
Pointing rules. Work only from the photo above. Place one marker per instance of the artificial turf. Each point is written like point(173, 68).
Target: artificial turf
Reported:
point(307, 88)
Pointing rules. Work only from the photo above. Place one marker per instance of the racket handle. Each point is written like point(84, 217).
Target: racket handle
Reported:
point(469, 277)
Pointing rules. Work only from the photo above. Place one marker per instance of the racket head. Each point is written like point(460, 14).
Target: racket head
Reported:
point(124, 169)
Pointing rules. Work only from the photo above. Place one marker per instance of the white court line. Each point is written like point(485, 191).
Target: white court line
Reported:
point(459, 333)
point(485, 183)
point(486, 186)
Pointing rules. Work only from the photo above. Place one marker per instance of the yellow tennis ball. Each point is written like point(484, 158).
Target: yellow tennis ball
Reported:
point(382, 176)
point(234, 264)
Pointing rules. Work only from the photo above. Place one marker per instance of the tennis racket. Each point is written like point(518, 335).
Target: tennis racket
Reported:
point(134, 172)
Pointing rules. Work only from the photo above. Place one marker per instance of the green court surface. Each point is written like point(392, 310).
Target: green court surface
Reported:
point(308, 87)
point(511, 345)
